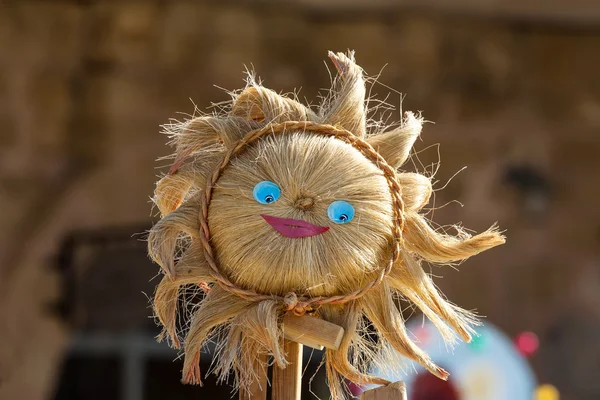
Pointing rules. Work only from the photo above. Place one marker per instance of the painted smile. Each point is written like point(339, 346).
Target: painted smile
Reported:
point(294, 228)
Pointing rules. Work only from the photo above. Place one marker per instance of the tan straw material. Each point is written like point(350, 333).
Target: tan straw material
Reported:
point(300, 304)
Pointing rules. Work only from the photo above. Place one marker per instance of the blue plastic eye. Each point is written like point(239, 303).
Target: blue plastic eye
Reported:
point(340, 212)
point(266, 192)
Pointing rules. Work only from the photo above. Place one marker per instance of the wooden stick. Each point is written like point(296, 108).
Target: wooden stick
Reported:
point(312, 332)
point(393, 391)
point(287, 382)
point(258, 388)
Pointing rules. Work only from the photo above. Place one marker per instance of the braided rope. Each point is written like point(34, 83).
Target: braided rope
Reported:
point(292, 301)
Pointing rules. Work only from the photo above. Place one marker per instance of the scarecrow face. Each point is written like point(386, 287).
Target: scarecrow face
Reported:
point(309, 212)
point(301, 214)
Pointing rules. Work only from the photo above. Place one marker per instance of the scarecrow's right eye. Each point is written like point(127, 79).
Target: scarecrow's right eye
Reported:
point(266, 192)
point(340, 212)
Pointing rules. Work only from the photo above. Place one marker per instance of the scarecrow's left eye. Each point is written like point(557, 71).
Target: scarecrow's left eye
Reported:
point(266, 192)
point(340, 212)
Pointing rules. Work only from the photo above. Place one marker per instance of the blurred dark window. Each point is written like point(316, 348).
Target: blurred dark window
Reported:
point(80, 378)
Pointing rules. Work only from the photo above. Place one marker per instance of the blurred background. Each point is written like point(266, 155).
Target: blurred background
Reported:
point(512, 86)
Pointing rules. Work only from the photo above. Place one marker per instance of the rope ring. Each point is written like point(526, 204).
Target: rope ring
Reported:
point(300, 304)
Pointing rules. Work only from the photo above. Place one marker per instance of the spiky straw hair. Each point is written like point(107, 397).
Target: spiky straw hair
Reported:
point(312, 171)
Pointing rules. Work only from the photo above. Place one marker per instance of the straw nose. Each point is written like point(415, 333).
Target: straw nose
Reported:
point(304, 203)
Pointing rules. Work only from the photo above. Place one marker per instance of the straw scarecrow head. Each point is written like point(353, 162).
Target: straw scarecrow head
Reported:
point(272, 207)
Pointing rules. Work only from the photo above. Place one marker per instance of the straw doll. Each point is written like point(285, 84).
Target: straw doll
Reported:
point(272, 208)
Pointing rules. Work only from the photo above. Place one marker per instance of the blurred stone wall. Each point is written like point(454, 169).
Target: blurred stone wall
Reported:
point(85, 85)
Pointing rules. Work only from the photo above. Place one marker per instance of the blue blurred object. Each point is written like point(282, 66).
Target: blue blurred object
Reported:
point(488, 368)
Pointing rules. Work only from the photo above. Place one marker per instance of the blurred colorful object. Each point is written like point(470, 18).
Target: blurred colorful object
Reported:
point(488, 368)
point(547, 392)
point(527, 343)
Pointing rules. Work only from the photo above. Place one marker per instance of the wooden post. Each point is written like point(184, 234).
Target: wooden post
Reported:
point(287, 382)
point(258, 389)
point(312, 332)
point(393, 391)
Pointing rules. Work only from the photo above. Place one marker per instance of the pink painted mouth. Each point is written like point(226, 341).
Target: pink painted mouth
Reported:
point(294, 228)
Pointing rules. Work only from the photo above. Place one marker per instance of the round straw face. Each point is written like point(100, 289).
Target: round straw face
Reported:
point(300, 212)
